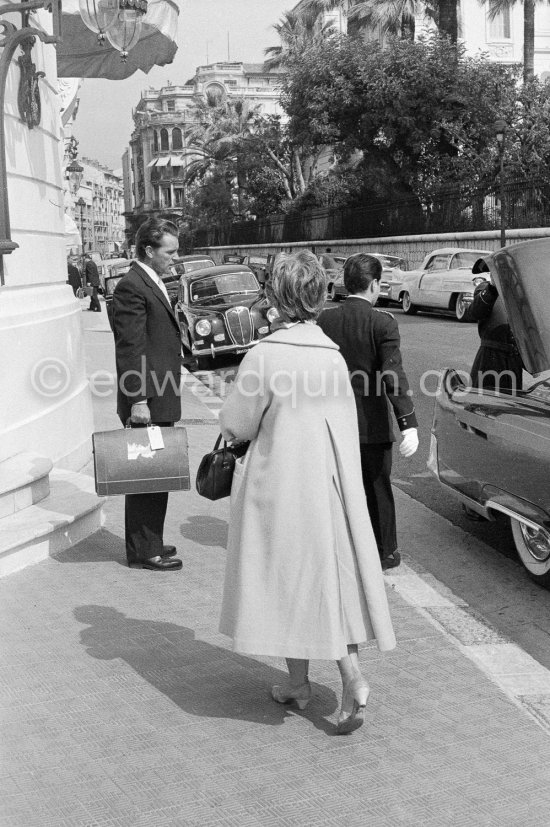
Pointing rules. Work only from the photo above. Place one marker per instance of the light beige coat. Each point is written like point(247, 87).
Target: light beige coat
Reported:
point(303, 576)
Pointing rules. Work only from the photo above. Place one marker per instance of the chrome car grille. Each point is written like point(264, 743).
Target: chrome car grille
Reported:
point(239, 325)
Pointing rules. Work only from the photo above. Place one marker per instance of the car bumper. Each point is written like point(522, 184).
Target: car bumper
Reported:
point(215, 350)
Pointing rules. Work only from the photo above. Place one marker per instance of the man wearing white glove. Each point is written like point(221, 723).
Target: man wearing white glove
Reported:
point(369, 342)
point(409, 443)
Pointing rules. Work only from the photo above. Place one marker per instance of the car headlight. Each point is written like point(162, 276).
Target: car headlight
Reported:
point(272, 314)
point(203, 327)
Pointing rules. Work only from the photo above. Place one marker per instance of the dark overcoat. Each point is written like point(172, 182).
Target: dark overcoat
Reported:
point(148, 347)
point(369, 342)
point(497, 361)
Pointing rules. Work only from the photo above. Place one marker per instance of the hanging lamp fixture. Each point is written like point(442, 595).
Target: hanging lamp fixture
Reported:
point(118, 21)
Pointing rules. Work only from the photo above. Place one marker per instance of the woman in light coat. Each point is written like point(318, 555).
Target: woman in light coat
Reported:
point(303, 577)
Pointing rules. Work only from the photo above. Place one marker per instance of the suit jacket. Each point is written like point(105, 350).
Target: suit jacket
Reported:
point(91, 273)
point(148, 347)
point(369, 342)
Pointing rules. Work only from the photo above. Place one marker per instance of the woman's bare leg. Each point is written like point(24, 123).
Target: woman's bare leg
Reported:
point(355, 692)
point(298, 688)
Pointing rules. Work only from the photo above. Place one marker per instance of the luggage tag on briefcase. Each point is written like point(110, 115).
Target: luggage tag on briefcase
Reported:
point(155, 437)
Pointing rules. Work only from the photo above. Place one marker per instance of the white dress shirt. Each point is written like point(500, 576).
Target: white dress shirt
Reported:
point(156, 279)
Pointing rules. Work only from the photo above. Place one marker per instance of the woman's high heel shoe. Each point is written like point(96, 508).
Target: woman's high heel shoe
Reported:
point(302, 695)
point(354, 701)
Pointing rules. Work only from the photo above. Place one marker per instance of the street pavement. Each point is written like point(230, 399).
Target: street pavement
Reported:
point(122, 704)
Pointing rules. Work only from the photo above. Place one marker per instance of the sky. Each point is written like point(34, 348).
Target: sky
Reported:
point(104, 123)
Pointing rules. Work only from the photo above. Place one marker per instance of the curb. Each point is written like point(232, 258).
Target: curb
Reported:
point(519, 676)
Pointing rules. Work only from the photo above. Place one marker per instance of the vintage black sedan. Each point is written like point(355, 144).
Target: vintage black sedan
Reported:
point(222, 310)
point(491, 448)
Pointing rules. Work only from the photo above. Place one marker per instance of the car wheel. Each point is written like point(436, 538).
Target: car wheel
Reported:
point(334, 295)
point(461, 308)
point(408, 307)
point(533, 548)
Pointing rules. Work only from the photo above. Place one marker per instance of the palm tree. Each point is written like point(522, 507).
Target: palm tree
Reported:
point(497, 7)
point(296, 30)
point(395, 17)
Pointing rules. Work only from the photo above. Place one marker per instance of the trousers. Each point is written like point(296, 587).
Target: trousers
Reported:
point(376, 464)
point(144, 516)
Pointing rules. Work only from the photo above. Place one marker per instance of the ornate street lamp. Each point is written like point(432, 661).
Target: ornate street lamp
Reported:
point(81, 204)
point(74, 173)
point(500, 127)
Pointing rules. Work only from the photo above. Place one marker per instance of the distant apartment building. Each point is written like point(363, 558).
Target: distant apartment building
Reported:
point(501, 37)
point(100, 214)
point(155, 161)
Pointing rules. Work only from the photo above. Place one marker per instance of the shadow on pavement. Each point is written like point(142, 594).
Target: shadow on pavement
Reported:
point(101, 547)
point(201, 679)
point(205, 530)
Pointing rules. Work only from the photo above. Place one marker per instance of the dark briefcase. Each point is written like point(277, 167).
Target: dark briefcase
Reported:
point(125, 463)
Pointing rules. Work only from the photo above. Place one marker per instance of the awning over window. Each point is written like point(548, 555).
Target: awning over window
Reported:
point(152, 163)
point(162, 162)
point(80, 55)
point(177, 161)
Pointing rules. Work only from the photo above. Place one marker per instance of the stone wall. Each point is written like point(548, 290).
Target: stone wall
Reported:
point(413, 248)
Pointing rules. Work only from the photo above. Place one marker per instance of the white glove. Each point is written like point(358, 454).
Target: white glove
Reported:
point(410, 442)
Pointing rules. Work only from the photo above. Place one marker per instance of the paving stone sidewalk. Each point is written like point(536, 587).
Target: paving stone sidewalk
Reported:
point(121, 705)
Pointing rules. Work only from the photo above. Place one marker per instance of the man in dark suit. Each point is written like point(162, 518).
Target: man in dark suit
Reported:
point(148, 361)
point(73, 275)
point(91, 277)
point(369, 342)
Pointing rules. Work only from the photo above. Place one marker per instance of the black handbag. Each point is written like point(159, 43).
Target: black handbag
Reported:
point(215, 473)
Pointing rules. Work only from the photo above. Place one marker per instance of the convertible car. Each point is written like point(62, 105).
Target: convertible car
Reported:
point(222, 310)
point(444, 282)
point(491, 449)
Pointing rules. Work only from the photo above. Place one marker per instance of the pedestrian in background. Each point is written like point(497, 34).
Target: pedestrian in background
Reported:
point(148, 354)
point(369, 342)
point(73, 275)
point(497, 364)
point(303, 577)
point(91, 277)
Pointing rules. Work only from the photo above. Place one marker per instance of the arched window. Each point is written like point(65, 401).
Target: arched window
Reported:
point(177, 142)
point(164, 139)
point(155, 141)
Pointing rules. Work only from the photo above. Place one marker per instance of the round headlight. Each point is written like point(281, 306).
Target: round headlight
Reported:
point(272, 314)
point(477, 280)
point(203, 327)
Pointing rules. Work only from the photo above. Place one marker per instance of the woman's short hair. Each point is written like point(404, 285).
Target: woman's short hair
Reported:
point(359, 271)
point(298, 286)
point(150, 233)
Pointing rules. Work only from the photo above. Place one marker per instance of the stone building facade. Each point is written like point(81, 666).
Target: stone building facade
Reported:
point(155, 161)
point(501, 37)
point(101, 221)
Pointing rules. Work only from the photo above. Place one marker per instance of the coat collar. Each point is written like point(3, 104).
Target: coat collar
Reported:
point(148, 281)
point(303, 335)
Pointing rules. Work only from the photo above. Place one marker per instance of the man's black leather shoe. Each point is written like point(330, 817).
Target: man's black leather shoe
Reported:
point(391, 561)
point(168, 551)
point(162, 564)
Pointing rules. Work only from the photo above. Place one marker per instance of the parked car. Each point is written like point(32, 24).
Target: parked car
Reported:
point(390, 264)
point(190, 263)
point(444, 282)
point(171, 280)
point(490, 448)
point(258, 264)
point(110, 283)
point(108, 267)
point(222, 310)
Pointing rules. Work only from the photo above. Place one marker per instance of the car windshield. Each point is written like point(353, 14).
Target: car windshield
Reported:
point(210, 289)
point(464, 260)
